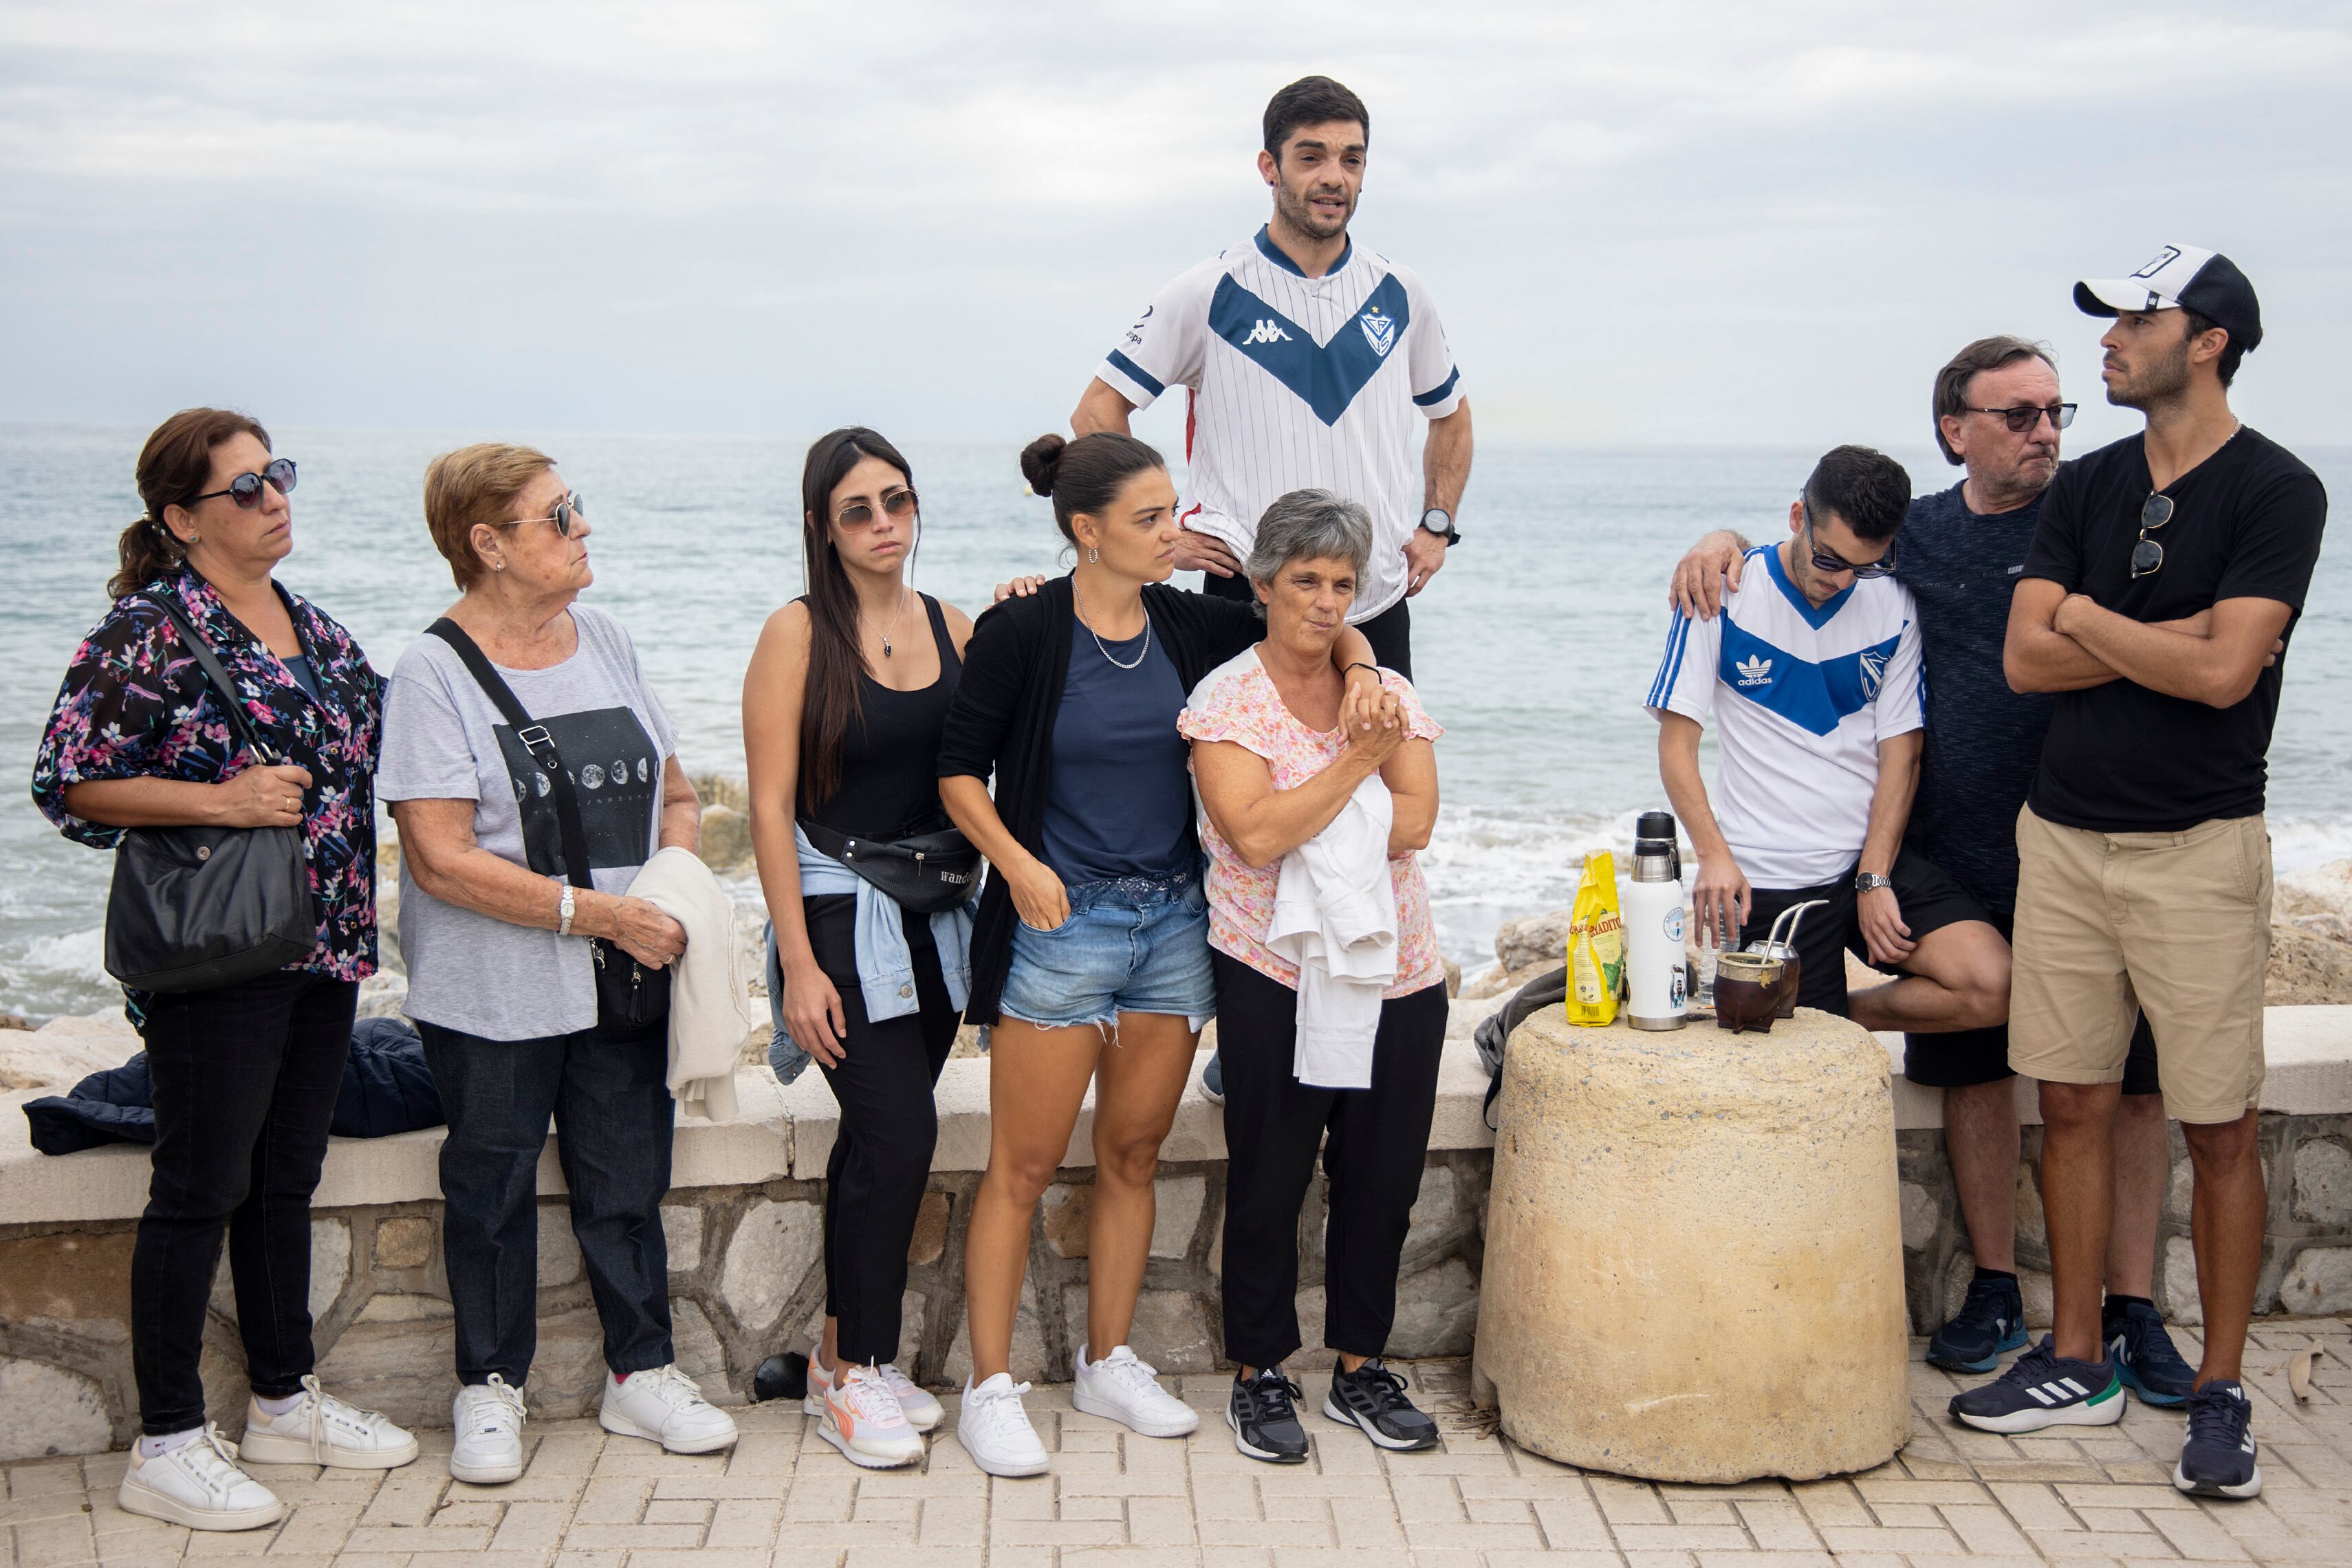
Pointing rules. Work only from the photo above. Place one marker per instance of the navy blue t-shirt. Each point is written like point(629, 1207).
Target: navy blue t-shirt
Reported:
point(1119, 804)
point(1984, 741)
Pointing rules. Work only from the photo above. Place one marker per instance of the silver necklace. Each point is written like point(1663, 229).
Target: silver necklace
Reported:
point(894, 621)
point(1141, 653)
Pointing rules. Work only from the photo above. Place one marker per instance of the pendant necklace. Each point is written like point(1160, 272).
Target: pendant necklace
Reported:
point(894, 622)
point(1141, 653)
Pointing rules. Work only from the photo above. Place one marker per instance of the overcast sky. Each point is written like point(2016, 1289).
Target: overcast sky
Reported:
point(1662, 223)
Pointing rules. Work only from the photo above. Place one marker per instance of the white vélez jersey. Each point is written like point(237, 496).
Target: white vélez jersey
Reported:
point(1296, 382)
point(1800, 699)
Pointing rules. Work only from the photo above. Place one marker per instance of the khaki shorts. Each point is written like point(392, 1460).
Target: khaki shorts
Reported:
point(2177, 923)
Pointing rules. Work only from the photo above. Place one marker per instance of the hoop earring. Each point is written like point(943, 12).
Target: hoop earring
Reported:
point(1093, 557)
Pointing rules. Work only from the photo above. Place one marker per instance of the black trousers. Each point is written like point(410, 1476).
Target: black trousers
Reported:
point(606, 1090)
point(1390, 632)
point(1373, 1141)
point(881, 1157)
point(245, 1081)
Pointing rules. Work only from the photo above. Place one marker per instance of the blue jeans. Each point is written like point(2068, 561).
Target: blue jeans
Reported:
point(1134, 944)
point(607, 1092)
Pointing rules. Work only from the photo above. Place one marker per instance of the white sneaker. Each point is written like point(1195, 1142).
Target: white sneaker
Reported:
point(665, 1406)
point(198, 1484)
point(487, 1446)
point(915, 1402)
point(995, 1431)
point(863, 1420)
point(323, 1430)
point(1121, 1388)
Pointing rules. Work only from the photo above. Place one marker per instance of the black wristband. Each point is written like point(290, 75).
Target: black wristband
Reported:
point(1359, 664)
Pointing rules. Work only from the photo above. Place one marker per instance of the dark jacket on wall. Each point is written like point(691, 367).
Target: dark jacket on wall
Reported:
point(1003, 723)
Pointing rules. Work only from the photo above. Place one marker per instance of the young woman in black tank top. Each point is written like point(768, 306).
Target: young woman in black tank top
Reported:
point(842, 710)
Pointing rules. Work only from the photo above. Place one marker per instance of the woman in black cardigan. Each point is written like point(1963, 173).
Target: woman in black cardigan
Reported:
point(1089, 956)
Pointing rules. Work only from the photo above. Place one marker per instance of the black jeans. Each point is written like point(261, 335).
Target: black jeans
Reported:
point(1390, 632)
point(881, 1157)
point(245, 1081)
point(606, 1090)
point(1373, 1143)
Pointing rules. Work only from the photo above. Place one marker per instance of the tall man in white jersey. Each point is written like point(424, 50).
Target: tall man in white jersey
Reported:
point(1307, 362)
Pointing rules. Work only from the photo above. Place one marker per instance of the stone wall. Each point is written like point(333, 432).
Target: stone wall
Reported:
point(2306, 1241)
point(747, 1280)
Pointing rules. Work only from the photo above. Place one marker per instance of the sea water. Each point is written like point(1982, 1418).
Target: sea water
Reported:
point(1533, 647)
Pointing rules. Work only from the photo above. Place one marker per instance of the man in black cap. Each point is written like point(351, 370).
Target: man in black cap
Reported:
point(2163, 580)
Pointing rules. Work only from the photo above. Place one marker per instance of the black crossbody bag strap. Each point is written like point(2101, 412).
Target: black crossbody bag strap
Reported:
point(209, 662)
point(535, 740)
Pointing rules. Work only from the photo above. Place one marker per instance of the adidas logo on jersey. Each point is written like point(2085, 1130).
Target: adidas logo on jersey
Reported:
point(1755, 671)
point(1265, 331)
point(1379, 331)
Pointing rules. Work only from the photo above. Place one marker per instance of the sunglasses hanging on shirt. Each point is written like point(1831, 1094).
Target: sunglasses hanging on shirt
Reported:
point(2147, 555)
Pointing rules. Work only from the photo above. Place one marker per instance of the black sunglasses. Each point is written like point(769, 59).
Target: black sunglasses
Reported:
point(567, 511)
point(860, 514)
point(2147, 555)
point(1829, 561)
point(2025, 416)
point(245, 489)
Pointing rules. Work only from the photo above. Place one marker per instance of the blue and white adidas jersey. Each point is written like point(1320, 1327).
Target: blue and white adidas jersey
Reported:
point(1297, 382)
point(1800, 699)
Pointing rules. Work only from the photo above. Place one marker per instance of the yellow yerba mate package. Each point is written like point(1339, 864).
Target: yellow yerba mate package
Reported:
point(1596, 944)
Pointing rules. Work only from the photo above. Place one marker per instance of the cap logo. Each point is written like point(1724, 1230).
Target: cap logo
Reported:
point(2165, 258)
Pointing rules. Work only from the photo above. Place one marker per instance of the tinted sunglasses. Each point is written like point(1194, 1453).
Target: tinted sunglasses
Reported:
point(567, 511)
point(860, 514)
point(1829, 561)
point(2025, 416)
point(2147, 555)
point(245, 489)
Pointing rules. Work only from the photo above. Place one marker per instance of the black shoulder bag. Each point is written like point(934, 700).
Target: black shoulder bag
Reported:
point(196, 909)
point(627, 993)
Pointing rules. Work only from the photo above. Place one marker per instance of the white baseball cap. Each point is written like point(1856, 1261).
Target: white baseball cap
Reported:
point(2183, 277)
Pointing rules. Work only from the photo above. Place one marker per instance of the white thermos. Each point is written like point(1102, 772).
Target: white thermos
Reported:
point(1654, 974)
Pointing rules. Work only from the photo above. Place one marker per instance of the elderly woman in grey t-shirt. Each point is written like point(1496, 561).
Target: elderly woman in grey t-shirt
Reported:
point(502, 974)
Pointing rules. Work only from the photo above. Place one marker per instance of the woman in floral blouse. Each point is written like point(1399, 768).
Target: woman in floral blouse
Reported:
point(244, 1075)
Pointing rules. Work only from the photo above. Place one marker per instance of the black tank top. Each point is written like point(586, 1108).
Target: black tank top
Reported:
point(890, 752)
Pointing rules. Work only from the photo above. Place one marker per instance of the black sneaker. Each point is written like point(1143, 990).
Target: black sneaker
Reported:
point(2217, 1460)
point(1263, 1415)
point(1990, 1323)
point(1372, 1397)
point(2151, 1367)
point(2042, 1388)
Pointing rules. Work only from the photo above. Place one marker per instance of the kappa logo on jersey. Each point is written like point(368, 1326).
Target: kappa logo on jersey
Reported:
point(1755, 673)
point(1325, 376)
point(1874, 672)
point(1265, 331)
point(1379, 331)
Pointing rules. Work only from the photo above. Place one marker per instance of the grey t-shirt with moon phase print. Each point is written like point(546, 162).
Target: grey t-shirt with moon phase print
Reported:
point(445, 740)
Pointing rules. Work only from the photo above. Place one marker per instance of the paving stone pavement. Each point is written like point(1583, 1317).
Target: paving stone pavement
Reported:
point(784, 1498)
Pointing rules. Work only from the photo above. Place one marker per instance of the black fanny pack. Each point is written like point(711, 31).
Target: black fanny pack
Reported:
point(627, 993)
point(926, 873)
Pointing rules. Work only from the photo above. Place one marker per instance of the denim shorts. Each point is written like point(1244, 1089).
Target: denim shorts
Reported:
point(1134, 944)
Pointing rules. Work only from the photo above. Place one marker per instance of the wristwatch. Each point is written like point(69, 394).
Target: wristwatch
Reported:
point(563, 911)
point(1439, 522)
point(1871, 882)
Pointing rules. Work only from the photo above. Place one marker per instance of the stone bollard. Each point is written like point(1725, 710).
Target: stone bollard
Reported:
point(1693, 1267)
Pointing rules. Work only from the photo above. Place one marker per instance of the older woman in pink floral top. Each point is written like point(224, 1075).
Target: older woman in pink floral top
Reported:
point(1279, 752)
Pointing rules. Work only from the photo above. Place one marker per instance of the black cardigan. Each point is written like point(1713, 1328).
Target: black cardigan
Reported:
point(1001, 721)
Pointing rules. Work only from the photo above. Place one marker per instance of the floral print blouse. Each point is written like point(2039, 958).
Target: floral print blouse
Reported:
point(1238, 702)
point(136, 705)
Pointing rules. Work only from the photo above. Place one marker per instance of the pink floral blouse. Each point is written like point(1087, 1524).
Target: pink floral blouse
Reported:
point(1238, 701)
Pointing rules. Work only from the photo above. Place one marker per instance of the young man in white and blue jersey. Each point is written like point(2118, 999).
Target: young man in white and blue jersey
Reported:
point(1309, 362)
point(1810, 677)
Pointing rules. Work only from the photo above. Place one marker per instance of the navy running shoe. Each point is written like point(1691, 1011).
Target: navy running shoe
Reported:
point(2217, 1460)
point(2144, 1353)
point(2042, 1388)
point(1990, 1323)
point(1213, 1078)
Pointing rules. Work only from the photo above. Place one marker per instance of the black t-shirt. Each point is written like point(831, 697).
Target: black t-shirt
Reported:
point(2246, 524)
point(1984, 741)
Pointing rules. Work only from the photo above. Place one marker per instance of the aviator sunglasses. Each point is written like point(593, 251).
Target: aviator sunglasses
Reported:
point(2025, 416)
point(567, 511)
point(1830, 561)
point(860, 514)
point(245, 489)
point(2147, 555)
